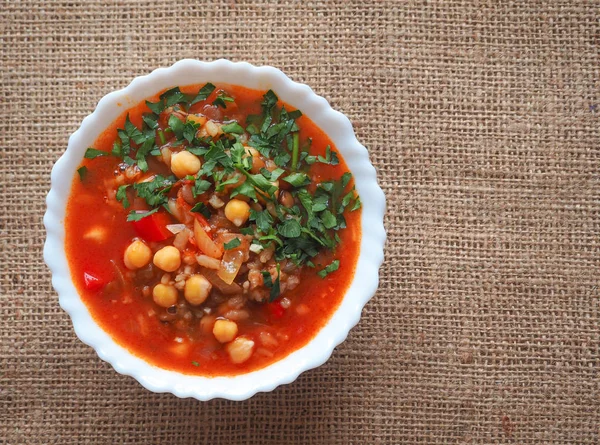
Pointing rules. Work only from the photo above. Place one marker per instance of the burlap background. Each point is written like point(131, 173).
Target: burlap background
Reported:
point(482, 119)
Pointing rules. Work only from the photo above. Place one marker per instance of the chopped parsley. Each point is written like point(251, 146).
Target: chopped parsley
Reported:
point(82, 171)
point(136, 215)
point(222, 99)
point(92, 153)
point(154, 192)
point(201, 209)
point(122, 195)
point(233, 127)
point(273, 285)
point(232, 244)
point(332, 267)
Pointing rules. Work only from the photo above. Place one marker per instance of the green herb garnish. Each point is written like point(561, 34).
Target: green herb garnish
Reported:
point(136, 216)
point(298, 232)
point(232, 244)
point(92, 153)
point(221, 99)
point(233, 127)
point(273, 285)
point(332, 267)
point(82, 171)
point(122, 195)
point(201, 209)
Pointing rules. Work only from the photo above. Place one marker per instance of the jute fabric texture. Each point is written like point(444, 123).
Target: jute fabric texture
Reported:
point(482, 119)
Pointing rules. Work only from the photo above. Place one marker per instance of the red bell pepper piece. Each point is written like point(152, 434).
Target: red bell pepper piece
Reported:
point(92, 282)
point(153, 227)
point(276, 309)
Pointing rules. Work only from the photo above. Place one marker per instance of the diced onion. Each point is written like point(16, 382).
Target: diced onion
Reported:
point(166, 155)
point(204, 243)
point(174, 209)
point(175, 228)
point(227, 289)
point(256, 248)
point(230, 265)
point(216, 202)
point(182, 238)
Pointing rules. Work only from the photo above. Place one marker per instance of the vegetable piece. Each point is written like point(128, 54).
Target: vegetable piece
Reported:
point(196, 290)
point(273, 285)
point(200, 186)
point(82, 171)
point(222, 97)
point(295, 150)
point(240, 350)
point(232, 127)
point(225, 330)
point(203, 94)
point(290, 229)
point(202, 209)
point(232, 244)
point(230, 265)
point(153, 227)
point(203, 241)
point(121, 196)
point(92, 153)
point(93, 282)
point(175, 228)
point(237, 211)
point(276, 309)
point(137, 215)
point(224, 288)
point(185, 163)
point(137, 255)
point(297, 179)
point(332, 267)
point(164, 295)
point(168, 259)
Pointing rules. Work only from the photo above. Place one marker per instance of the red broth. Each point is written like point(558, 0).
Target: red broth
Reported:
point(130, 317)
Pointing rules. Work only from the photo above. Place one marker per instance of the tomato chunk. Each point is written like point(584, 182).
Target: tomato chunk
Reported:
point(276, 309)
point(153, 227)
point(93, 282)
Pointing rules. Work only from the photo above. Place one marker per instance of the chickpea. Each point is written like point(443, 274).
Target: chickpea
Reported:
point(286, 199)
point(260, 194)
point(185, 163)
point(237, 211)
point(196, 289)
point(164, 295)
point(257, 162)
point(197, 119)
point(240, 350)
point(212, 128)
point(225, 330)
point(168, 259)
point(137, 255)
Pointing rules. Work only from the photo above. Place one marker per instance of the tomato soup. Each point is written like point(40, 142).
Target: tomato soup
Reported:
point(212, 229)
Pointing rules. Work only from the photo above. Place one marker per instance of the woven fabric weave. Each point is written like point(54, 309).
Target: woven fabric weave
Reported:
point(482, 119)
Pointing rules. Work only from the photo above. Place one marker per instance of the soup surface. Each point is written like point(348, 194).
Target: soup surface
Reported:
point(212, 230)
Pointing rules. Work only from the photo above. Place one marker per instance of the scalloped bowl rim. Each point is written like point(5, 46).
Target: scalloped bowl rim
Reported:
point(364, 284)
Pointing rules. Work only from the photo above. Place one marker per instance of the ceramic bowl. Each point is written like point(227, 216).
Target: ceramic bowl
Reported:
point(363, 286)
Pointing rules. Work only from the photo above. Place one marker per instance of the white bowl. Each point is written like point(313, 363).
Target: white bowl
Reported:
point(362, 288)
